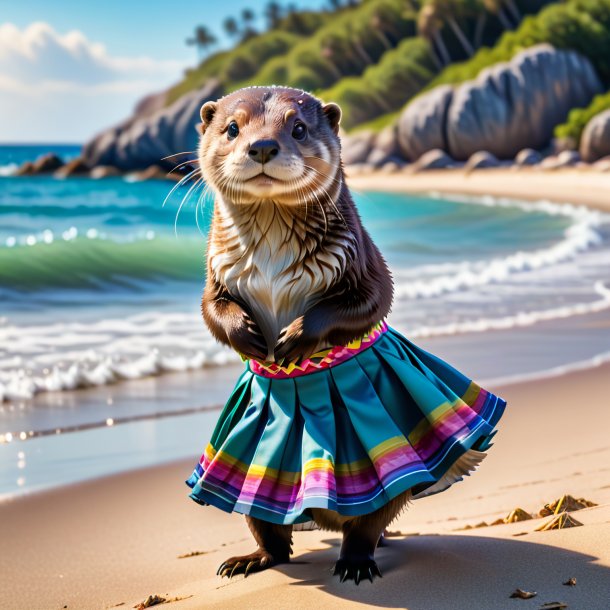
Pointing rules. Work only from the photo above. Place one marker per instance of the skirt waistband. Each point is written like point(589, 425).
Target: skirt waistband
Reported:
point(321, 360)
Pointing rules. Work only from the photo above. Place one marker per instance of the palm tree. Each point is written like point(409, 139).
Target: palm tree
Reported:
point(273, 14)
point(512, 7)
point(356, 42)
point(203, 39)
point(429, 26)
point(382, 21)
point(496, 8)
point(231, 27)
point(452, 11)
point(247, 16)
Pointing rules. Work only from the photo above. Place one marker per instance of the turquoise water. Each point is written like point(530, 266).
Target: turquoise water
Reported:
point(100, 284)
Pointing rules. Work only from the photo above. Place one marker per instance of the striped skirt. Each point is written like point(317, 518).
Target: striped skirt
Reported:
point(347, 430)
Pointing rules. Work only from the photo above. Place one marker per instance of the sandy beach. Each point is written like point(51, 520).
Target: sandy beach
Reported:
point(114, 541)
point(580, 186)
point(118, 540)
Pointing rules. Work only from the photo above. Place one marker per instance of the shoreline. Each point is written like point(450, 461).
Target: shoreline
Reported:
point(581, 187)
point(403, 182)
point(118, 539)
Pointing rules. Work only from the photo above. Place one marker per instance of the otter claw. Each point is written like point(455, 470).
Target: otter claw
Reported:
point(356, 569)
point(237, 565)
point(248, 568)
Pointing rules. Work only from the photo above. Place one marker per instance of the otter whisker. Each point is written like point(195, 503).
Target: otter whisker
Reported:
point(181, 165)
point(184, 152)
point(184, 200)
point(178, 185)
point(330, 199)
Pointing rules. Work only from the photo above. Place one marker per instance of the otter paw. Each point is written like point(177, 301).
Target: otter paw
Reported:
point(356, 568)
point(246, 564)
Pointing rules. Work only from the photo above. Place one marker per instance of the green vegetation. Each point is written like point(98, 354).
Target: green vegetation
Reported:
point(383, 88)
point(579, 117)
point(580, 25)
point(372, 56)
point(344, 46)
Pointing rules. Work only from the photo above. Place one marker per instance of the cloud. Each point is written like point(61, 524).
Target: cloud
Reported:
point(75, 79)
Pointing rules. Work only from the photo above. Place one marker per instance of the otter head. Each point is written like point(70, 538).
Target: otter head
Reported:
point(269, 143)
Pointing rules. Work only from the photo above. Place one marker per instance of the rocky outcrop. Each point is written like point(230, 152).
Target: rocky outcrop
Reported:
point(528, 156)
point(595, 140)
point(421, 127)
point(433, 159)
point(386, 148)
point(154, 132)
point(45, 164)
point(75, 167)
point(357, 147)
point(104, 171)
point(508, 107)
point(567, 158)
point(482, 160)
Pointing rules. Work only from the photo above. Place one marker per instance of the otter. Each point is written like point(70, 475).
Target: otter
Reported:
point(291, 272)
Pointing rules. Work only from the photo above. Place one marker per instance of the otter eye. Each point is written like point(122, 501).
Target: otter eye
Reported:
point(232, 130)
point(299, 131)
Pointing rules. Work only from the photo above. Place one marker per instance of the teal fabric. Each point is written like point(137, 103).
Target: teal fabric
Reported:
point(349, 438)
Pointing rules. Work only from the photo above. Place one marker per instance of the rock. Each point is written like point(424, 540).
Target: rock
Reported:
point(386, 148)
point(153, 172)
point(482, 160)
point(421, 127)
point(359, 169)
point(26, 169)
point(152, 133)
point(595, 140)
point(567, 158)
point(433, 159)
point(75, 167)
point(509, 106)
point(357, 147)
point(45, 164)
point(603, 165)
point(391, 167)
point(528, 156)
point(104, 171)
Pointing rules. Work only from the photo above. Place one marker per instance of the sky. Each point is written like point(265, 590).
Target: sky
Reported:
point(69, 69)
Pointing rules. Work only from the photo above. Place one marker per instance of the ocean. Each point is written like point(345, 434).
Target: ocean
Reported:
point(101, 280)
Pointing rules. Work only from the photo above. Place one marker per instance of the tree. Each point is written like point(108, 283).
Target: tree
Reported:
point(203, 39)
point(429, 26)
point(231, 27)
point(273, 14)
point(452, 11)
point(496, 8)
point(247, 16)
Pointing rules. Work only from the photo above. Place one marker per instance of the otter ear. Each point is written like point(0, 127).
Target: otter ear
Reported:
point(333, 115)
point(207, 114)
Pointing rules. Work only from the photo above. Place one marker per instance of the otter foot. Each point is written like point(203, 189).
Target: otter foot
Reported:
point(356, 568)
point(246, 564)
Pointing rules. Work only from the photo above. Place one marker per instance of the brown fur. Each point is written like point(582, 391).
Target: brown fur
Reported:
point(291, 269)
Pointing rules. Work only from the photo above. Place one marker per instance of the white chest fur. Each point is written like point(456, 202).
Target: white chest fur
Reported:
point(271, 259)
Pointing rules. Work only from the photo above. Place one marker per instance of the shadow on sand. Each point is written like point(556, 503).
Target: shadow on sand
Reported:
point(462, 573)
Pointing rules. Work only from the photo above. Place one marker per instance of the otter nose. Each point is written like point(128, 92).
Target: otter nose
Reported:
point(264, 150)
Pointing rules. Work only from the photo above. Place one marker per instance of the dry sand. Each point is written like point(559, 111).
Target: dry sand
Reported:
point(117, 539)
point(113, 542)
point(583, 186)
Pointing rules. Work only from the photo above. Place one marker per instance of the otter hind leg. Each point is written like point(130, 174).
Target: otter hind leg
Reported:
point(274, 547)
point(361, 536)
